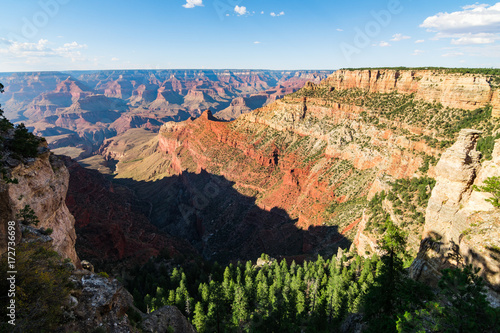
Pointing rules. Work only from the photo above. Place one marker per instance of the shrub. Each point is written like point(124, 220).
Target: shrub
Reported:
point(103, 274)
point(48, 231)
point(24, 143)
point(492, 185)
point(485, 146)
point(27, 216)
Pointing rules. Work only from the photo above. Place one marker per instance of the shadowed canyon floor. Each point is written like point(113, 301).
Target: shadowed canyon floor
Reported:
point(220, 223)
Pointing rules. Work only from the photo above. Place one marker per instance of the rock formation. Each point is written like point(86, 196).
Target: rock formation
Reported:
point(455, 174)
point(165, 317)
point(461, 227)
point(464, 91)
point(42, 185)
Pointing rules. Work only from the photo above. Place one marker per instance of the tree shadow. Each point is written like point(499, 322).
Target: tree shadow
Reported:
point(435, 255)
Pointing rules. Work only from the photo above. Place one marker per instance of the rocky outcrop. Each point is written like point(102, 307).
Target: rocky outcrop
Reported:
point(241, 106)
point(99, 303)
point(42, 185)
point(455, 174)
point(165, 318)
point(460, 226)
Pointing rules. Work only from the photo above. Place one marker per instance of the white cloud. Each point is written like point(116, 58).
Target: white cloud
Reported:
point(262, 12)
point(469, 39)
point(5, 41)
point(474, 6)
point(256, 42)
point(240, 10)
point(452, 54)
point(399, 37)
point(417, 52)
point(115, 59)
point(383, 44)
point(192, 3)
point(419, 41)
point(34, 51)
point(340, 30)
point(273, 14)
point(466, 25)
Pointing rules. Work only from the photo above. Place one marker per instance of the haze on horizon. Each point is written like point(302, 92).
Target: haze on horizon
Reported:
point(57, 35)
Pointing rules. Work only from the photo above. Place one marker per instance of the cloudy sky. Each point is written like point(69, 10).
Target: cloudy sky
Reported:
point(265, 34)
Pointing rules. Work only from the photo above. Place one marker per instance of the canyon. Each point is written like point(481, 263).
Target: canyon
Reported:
point(294, 178)
point(305, 166)
point(77, 110)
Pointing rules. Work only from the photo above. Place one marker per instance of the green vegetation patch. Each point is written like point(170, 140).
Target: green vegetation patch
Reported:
point(315, 296)
point(42, 284)
point(485, 145)
point(409, 198)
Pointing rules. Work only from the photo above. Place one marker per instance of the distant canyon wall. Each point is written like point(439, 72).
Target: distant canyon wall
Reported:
point(77, 110)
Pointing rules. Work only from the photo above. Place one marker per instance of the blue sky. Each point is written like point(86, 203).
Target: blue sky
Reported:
point(254, 34)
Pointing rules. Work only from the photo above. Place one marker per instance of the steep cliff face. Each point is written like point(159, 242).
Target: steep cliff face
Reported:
point(461, 227)
point(42, 185)
point(455, 174)
point(464, 91)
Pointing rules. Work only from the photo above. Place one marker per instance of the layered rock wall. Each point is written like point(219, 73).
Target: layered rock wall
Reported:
point(463, 91)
